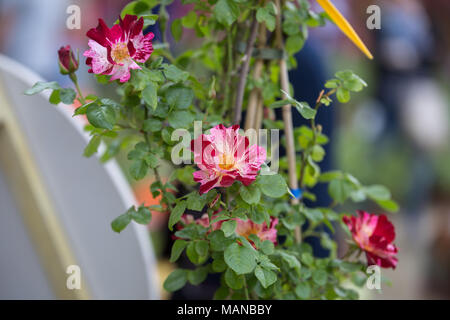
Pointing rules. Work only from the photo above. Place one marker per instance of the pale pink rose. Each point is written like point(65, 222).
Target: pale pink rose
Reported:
point(243, 228)
point(115, 51)
point(224, 156)
point(202, 221)
point(246, 228)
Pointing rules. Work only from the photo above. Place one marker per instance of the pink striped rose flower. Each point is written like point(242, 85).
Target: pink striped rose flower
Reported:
point(224, 156)
point(374, 235)
point(115, 51)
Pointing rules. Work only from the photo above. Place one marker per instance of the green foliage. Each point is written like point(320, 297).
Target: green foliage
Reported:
point(170, 93)
point(176, 214)
point(239, 258)
point(176, 280)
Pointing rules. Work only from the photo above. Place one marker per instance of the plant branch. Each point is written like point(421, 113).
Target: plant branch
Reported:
point(244, 71)
point(254, 98)
point(247, 296)
point(287, 117)
point(228, 72)
point(74, 79)
point(305, 154)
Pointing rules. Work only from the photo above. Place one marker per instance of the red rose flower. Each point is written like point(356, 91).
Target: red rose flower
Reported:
point(374, 234)
point(67, 61)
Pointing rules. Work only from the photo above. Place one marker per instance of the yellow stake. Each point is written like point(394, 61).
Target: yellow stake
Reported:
point(344, 25)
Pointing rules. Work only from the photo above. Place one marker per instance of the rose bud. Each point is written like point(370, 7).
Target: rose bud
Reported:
point(67, 62)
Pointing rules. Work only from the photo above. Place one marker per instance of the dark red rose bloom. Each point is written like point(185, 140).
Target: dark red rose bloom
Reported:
point(67, 61)
point(374, 234)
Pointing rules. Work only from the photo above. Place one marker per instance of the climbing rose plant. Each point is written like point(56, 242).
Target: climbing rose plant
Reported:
point(229, 212)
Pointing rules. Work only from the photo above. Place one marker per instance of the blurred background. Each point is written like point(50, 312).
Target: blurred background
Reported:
point(396, 132)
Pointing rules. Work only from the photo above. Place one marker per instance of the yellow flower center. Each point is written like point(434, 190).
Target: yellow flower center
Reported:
point(252, 230)
point(119, 52)
point(226, 162)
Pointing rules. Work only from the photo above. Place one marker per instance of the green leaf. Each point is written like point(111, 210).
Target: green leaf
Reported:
point(92, 146)
point(218, 264)
point(82, 109)
point(291, 260)
point(265, 277)
point(192, 252)
point(239, 258)
point(267, 247)
point(218, 241)
point(332, 84)
point(250, 194)
point(40, 86)
point(179, 96)
point(377, 192)
point(340, 190)
point(198, 275)
point(176, 280)
point(152, 125)
point(315, 215)
point(389, 205)
point(149, 20)
point(307, 258)
point(330, 175)
point(233, 280)
point(54, 97)
point(317, 153)
point(142, 215)
point(134, 8)
point(177, 29)
point(350, 266)
point(305, 110)
point(267, 15)
point(222, 293)
point(303, 290)
point(345, 74)
point(258, 214)
point(294, 43)
point(343, 95)
point(195, 201)
point(138, 169)
point(272, 185)
point(320, 277)
point(177, 249)
point(228, 227)
point(150, 95)
point(189, 20)
point(176, 214)
point(175, 74)
point(202, 247)
point(226, 12)
point(180, 119)
point(101, 116)
point(121, 222)
point(67, 95)
point(280, 103)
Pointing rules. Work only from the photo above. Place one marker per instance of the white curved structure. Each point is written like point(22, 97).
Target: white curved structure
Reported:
point(56, 206)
